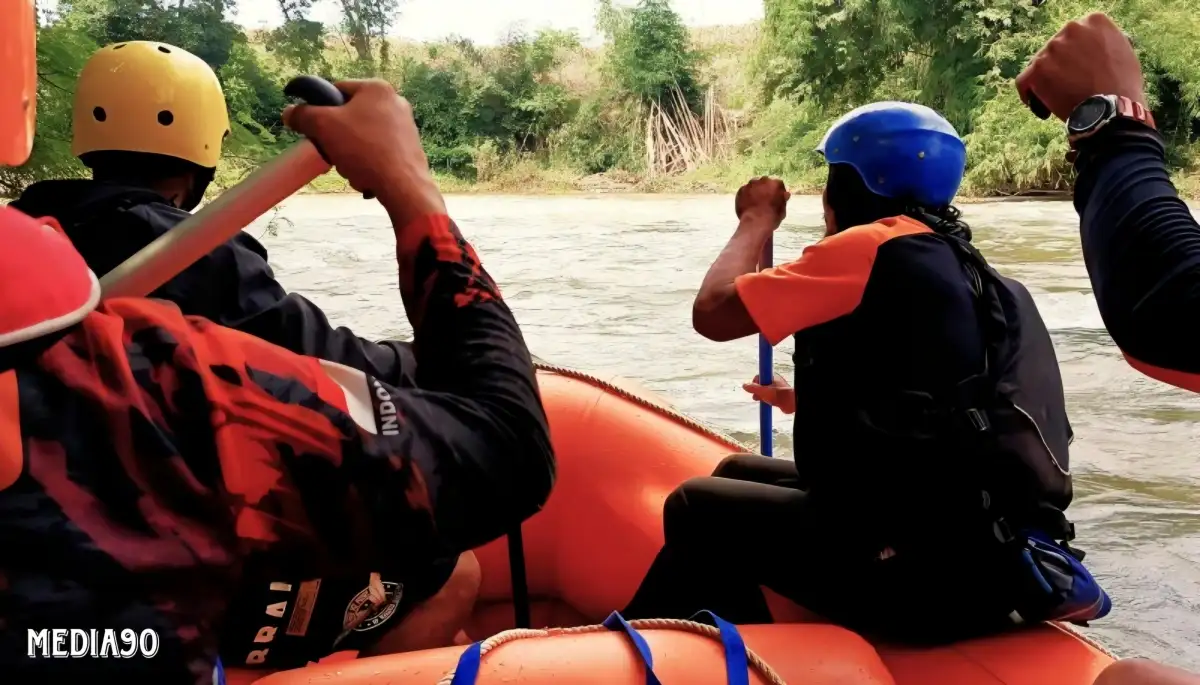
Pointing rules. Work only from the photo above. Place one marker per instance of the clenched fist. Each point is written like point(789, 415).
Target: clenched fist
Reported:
point(1087, 57)
point(373, 142)
point(764, 198)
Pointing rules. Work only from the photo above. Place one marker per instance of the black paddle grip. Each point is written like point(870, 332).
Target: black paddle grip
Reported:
point(314, 90)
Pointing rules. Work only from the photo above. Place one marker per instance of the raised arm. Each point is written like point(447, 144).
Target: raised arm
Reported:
point(1141, 245)
point(1140, 242)
point(719, 313)
point(476, 431)
point(390, 475)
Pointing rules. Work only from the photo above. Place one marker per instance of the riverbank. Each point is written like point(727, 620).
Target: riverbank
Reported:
point(657, 108)
point(535, 180)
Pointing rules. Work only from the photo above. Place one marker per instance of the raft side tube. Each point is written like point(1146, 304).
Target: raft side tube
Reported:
point(588, 549)
point(618, 459)
point(800, 654)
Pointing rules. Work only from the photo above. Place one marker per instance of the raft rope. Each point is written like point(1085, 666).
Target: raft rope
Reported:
point(756, 662)
point(1091, 641)
point(643, 402)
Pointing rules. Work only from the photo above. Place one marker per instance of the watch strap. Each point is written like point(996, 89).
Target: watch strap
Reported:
point(1132, 109)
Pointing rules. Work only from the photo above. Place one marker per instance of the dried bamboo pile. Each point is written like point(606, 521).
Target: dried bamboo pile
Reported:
point(680, 140)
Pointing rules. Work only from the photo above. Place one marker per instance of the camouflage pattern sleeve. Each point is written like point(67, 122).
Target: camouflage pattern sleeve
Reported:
point(166, 459)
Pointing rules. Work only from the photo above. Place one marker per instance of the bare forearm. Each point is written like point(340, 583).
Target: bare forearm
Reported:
point(717, 313)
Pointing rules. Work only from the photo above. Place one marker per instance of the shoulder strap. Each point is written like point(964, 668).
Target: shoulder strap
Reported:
point(979, 391)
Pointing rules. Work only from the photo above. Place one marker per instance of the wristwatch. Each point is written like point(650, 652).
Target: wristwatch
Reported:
point(1096, 112)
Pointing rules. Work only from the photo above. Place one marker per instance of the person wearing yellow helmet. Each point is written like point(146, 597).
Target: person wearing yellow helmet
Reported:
point(150, 463)
point(149, 119)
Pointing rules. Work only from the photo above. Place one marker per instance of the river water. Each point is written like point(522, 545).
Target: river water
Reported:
point(605, 284)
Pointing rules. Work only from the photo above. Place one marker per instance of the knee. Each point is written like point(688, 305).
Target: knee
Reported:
point(462, 588)
point(436, 621)
point(678, 516)
point(460, 591)
point(732, 466)
point(1144, 672)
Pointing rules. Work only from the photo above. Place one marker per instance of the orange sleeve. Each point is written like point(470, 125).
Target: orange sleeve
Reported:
point(825, 283)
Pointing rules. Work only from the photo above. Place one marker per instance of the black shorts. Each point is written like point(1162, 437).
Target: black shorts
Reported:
point(288, 623)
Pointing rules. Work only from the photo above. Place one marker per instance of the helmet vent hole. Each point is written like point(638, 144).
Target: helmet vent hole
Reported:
point(165, 117)
point(163, 49)
point(119, 46)
point(99, 114)
point(921, 154)
point(225, 135)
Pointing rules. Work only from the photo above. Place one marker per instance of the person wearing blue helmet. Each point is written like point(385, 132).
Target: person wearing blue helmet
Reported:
point(927, 498)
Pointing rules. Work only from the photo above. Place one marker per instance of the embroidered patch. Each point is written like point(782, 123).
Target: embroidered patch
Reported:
point(306, 600)
point(365, 612)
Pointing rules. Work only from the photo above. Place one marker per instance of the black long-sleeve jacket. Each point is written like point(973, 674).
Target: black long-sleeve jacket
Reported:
point(1141, 245)
point(157, 460)
point(232, 286)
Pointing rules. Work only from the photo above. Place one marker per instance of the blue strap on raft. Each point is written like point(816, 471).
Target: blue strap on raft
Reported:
point(766, 372)
point(616, 622)
point(737, 665)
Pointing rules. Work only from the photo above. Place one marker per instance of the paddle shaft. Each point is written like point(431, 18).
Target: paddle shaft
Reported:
point(766, 373)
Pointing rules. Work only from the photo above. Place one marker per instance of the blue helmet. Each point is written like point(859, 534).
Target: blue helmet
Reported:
point(901, 150)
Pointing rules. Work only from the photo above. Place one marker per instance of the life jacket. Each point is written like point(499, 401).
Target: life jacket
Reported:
point(1012, 408)
point(982, 463)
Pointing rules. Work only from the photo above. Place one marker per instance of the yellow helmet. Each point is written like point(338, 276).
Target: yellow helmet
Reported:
point(142, 96)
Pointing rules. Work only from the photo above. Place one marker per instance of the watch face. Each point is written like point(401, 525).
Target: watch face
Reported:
point(1089, 113)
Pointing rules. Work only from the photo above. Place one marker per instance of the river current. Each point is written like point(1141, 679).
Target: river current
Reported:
point(605, 284)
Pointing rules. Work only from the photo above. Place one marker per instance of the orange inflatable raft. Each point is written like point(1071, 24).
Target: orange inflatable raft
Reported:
point(619, 455)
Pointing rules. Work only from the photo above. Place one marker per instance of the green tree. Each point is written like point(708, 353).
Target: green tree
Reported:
point(650, 54)
point(299, 42)
point(366, 23)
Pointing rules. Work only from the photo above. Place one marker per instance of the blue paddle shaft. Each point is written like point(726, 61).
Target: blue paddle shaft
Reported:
point(766, 373)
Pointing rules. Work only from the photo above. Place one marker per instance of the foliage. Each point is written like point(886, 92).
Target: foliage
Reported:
point(366, 23)
point(540, 108)
point(602, 136)
point(959, 57)
point(651, 53)
point(299, 42)
point(462, 98)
